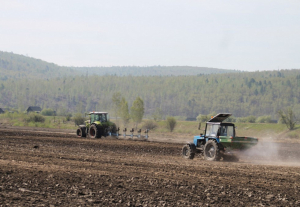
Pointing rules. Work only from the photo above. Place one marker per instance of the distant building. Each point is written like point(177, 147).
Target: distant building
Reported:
point(36, 109)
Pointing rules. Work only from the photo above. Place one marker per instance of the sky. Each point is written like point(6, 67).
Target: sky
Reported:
point(248, 35)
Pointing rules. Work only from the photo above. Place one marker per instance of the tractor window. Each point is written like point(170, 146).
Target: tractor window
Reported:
point(212, 130)
point(227, 131)
point(97, 117)
point(92, 118)
point(103, 118)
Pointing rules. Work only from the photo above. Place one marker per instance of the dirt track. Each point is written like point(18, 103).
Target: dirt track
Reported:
point(57, 169)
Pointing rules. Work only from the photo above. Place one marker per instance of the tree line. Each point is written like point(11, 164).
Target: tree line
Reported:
point(242, 94)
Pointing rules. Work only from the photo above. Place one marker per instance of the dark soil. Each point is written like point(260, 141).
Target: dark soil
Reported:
point(58, 169)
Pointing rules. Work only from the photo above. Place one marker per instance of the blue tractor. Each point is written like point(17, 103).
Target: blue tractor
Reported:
point(218, 141)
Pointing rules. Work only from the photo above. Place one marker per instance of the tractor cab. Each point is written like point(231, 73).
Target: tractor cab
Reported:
point(99, 117)
point(215, 128)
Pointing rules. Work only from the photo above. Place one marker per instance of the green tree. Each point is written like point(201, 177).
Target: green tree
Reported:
point(171, 123)
point(288, 118)
point(123, 111)
point(116, 103)
point(137, 111)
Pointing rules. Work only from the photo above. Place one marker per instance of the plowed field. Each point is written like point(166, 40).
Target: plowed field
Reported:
point(58, 169)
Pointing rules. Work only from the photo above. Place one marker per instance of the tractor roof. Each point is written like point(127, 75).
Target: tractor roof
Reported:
point(97, 112)
point(219, 117)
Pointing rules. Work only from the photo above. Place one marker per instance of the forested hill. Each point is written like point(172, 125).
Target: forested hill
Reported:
point(152, 70)
point(19, 66)
point(242, 94)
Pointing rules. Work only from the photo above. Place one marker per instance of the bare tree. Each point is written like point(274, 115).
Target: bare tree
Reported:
point(288, 118)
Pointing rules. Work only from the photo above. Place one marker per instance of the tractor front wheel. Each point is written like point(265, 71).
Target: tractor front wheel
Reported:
point(94, 132)
point(187, 152)
point(212, 151)
point(81, 132)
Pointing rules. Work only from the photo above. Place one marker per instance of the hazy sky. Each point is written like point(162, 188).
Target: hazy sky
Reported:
point(232, 34)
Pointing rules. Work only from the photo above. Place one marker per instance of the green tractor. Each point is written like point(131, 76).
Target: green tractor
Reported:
point(97, 126)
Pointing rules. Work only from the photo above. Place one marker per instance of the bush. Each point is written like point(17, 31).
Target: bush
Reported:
point(149, 124)
point(171, 123)
point(251, 119)
point(48, 112)
point(264, 119)
point(68, 117)
point(33, 117)
point(241, 120)
point(78, 119)
point(248, 119)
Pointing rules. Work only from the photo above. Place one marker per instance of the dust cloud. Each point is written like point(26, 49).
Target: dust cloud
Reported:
point(273, 153)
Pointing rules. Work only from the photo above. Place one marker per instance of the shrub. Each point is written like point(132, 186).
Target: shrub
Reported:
point(241, 120)
point(149, 124)
point(68, 117)
point(33, 117)
point(251, 119)
point(264, 119)
point(171, 123)
point(78, 119)
point(48, 112)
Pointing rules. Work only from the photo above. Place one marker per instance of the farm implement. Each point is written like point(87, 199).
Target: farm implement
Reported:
point(99, 126)
point(218, 141)
point(139, 133)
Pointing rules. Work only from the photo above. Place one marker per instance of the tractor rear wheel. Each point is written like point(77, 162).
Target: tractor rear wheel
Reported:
point(212, 151)
point(81, 132)
point(94, 132)
point(187, 152)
